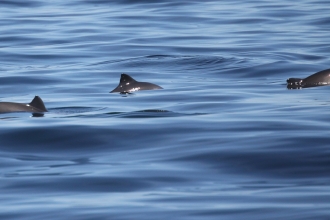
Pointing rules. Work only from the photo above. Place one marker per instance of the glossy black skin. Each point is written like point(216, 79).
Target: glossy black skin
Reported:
point(35, 106)
point(321, 78)
point(128, 85)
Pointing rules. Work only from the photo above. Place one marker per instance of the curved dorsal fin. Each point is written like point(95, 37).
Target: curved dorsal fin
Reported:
point(127, 85)
point(38, 103)
point(126, 78)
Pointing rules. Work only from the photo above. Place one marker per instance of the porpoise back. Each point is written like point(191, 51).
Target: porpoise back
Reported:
point(321, 78)
point(35, 106)
point(127, 85)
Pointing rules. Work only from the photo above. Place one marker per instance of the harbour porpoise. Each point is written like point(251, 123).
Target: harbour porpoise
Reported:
point(35, 106)
point(127, 85)
point(321, 78)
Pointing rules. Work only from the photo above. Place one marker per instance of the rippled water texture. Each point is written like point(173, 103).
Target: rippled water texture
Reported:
point(224, 139)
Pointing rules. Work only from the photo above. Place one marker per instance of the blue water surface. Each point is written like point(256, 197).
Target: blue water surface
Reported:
point(224, 139)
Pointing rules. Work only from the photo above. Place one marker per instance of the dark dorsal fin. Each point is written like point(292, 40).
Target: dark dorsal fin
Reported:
point(124, 78)
point(38, 103)
point(127, 85)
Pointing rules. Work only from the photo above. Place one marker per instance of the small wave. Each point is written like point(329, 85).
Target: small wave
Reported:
point(176, 63)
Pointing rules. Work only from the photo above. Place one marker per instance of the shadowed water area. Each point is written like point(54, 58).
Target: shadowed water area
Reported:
point(224, 139)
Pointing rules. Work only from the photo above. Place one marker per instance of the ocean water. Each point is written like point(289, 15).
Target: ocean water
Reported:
point(224, 139)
